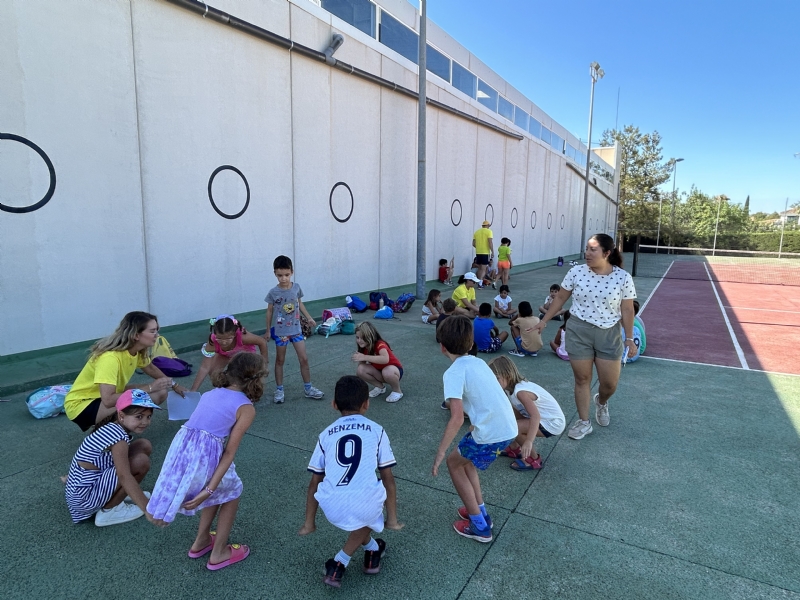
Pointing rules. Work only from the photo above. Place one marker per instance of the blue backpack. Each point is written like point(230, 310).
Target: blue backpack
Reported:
point(403, 302)
point(384, 313)
point(375, 300)
point(48, 401)
point(356, 304)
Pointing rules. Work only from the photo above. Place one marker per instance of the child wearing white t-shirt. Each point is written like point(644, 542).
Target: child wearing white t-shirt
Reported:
point(343, 481)
point(502, 304)
point(538, 414)
point(471, 388)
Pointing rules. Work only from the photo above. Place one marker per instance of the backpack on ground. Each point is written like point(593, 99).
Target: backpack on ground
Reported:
point(403, 302)
point(47, 401)
point(385, 313)
point(560, 261)
point(331, 326)
point(162, 348)
point(305, 326)
point(342, 313)
point(356, 304)
point(172, 367)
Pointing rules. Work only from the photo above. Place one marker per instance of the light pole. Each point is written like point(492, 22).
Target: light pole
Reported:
point(596, 73)
point(421, 148)
point(716, 227)
point(674, 162)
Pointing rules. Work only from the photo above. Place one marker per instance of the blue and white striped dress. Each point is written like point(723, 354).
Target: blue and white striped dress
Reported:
point(87, 490)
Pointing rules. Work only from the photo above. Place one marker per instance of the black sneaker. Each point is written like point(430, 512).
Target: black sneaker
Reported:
point(334, 573)
point(372, 558)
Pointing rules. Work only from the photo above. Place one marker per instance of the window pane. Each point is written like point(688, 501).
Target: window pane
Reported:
point(437, 63)
point(535, 128)
point(359, 13)
point(557, 143)
point(506, 109)
point(487, 95)
point(520, 118)
point(463, 80)
point(545, 135)
point(398, 37)
point(571, 151)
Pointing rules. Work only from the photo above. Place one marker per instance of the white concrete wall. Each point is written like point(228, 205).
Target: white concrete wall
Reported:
point(137, 102)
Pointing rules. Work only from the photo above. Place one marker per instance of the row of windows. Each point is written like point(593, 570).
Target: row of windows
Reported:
point(363, 14)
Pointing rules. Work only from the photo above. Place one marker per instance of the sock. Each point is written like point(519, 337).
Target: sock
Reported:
point(372, 545)
point(342, 558)
point(307, 386)
point(483, 510)
point(279, 388)
point(478, 522)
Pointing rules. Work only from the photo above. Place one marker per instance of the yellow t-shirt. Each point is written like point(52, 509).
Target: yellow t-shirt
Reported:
point(482, 237)
point(113, 368)
point(461, 292)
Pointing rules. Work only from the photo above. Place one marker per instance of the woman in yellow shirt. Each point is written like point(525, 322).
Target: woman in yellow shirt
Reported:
point(113, 361)
point(464, 295)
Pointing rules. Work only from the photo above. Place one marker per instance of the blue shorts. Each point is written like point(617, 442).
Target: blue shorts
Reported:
point(518, 341)
point(286, 339)
point(480, 455)
point(494, 345)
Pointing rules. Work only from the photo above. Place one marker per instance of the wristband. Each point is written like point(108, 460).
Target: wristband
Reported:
point(210, 492)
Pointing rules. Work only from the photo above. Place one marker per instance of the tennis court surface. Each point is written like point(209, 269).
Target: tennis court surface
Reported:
point(691, 492)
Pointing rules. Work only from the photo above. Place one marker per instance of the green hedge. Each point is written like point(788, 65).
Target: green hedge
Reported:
point(762, 242)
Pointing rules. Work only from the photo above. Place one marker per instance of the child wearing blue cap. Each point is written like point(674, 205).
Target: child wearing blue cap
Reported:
point(108, 466)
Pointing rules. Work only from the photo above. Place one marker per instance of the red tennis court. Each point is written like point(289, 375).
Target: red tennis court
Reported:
point(689, 317)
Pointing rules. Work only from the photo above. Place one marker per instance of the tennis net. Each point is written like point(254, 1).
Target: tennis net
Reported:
point(736, 266)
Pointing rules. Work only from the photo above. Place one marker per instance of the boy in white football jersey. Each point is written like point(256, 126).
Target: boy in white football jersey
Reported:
point(470, 387)
point(343, 480)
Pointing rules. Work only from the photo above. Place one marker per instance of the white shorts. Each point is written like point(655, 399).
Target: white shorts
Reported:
point(351, 515)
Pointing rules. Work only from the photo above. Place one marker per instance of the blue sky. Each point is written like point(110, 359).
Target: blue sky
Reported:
point(719, 80)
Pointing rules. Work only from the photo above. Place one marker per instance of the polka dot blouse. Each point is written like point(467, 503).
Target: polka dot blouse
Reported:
point(597, 299)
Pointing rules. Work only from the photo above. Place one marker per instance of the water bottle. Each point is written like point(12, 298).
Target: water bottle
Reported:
point(380, 304)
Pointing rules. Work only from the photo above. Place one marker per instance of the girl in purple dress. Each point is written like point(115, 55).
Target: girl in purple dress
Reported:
point(198, 471)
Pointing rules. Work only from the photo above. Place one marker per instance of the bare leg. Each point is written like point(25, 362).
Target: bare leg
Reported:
point(465, 480)
point(203, 538)
point(608, 372)
point(357, 538)
point(582, 370)
point(369, 374)
point(139, 460)
point(391, 375)
point(280, 358)
point(227, 514)
point(305, 371)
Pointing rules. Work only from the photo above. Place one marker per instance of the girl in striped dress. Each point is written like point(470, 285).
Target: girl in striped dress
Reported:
point(198, 471)
point(108, 466)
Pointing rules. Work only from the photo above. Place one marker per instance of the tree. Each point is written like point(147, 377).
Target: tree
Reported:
point(747, 204)
point(642, 171)
point(696, 221)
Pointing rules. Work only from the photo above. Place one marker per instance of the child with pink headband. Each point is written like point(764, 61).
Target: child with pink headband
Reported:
point(227, 339)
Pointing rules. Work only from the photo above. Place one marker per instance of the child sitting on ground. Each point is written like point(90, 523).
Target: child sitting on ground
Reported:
point(559, 343)
point(343, 481)
point(470, 387)
point(639, 337)
point(448, 310)
point(528, 341)
point(502, 304)
point(227, 339)
point(446, 271)
point(554, 289)
point(537, 412)
point(487, 337)
point(432, 308)
point(377, 364)
point(108, 467)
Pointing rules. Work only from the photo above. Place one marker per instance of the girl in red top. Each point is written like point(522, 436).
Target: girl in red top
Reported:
point(377, 364)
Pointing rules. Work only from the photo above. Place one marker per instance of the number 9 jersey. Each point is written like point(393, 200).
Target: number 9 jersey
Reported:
point(348, 452)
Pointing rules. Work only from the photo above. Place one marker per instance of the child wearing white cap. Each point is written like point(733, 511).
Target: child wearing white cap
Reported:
point(464, 295)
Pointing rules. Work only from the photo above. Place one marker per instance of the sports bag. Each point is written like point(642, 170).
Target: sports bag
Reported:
point(162, 348)
point(342, 313)
point(172, 367)
point(375, 300)
point(403, 302)
point(47, 401)
point(331, 326)
point(385, 313)
point(356, 304)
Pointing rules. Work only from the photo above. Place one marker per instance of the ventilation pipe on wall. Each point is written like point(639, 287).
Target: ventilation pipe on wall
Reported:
point(336, 40)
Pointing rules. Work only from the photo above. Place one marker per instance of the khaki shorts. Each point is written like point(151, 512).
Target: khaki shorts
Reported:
point(586, 341)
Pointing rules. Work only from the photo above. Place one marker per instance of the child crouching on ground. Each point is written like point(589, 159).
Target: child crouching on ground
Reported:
point(343, 481)
point(470, 387)
point(537, 412)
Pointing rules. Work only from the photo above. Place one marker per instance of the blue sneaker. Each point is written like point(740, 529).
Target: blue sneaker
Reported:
point(466, 529)
point(462, 512)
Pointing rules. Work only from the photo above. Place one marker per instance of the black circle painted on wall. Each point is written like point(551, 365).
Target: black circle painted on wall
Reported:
point(211, 197)
point(563, 220)
point(352, 202)
point(486, 214)
point(549, 220)
point(533, 219)
point(460, 212)
point(514, 218)
point(50, 190)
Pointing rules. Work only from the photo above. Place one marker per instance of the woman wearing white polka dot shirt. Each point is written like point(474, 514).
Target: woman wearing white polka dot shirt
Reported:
point(602, 295)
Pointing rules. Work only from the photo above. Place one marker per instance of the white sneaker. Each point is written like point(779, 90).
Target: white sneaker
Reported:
point(121, 513)
point(394, 396)
point(129, 499)
point(279, 397)
point(375, 392)
point(580, 430)
point(314, 393)
point(601, 412)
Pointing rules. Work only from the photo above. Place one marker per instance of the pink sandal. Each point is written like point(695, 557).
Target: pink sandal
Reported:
point(238, 553)
point(206, 550)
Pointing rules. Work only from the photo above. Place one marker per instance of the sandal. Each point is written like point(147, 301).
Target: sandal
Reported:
point(511, 452)
point(206, 550)
point(238, 553)
point(528, 464)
